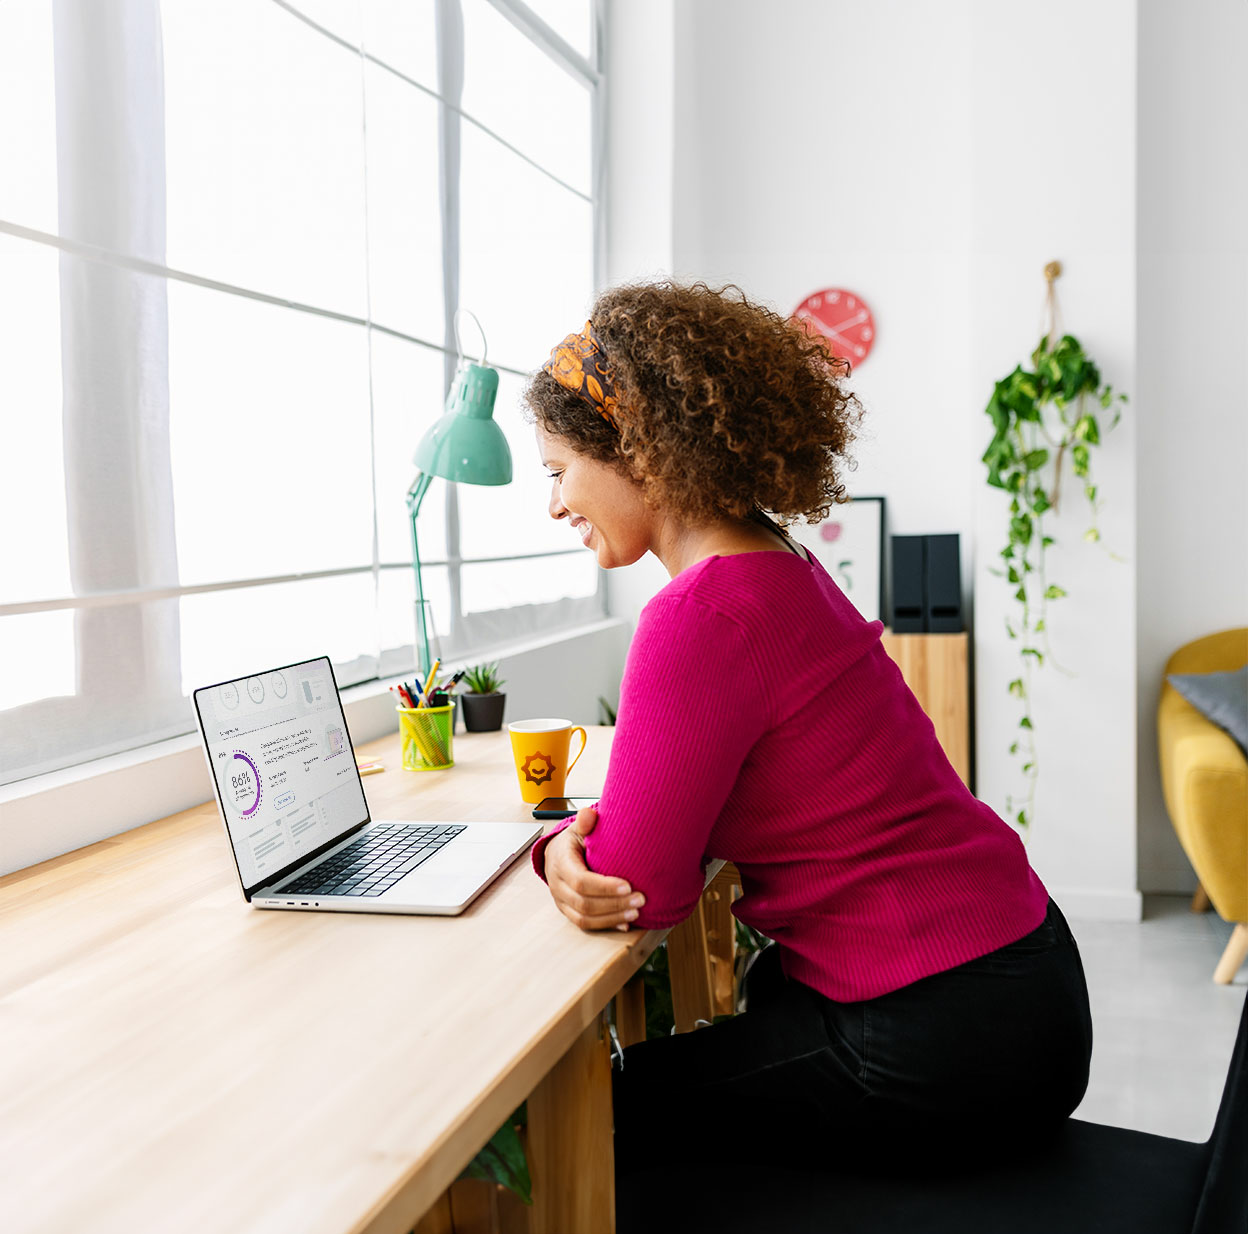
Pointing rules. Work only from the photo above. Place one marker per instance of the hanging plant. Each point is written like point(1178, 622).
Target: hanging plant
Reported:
point(1041, 416)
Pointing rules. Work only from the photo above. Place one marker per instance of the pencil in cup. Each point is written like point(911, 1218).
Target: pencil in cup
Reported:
point(426, 737)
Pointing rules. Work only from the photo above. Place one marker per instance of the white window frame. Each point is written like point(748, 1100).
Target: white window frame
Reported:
point(467, 632)
point(43, 815)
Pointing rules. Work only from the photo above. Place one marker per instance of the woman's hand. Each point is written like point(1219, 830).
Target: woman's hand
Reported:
point(588, 900)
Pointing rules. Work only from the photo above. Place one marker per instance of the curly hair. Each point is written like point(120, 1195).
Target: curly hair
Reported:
point(726, 408)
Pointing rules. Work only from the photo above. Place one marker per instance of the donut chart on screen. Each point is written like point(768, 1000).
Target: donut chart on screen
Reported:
point(242, 788)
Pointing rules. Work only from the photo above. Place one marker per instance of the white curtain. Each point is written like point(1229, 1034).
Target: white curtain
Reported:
point(115, 347)
point(253, 335)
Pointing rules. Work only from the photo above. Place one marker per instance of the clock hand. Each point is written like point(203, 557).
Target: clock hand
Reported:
point(849, 321)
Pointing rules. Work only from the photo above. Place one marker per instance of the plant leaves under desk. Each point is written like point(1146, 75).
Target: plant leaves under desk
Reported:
point(503, 1159)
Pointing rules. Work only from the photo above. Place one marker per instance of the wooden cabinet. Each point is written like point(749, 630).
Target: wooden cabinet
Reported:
point(935, 667)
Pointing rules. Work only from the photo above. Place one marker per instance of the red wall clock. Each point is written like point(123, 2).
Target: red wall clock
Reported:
point(843, 319)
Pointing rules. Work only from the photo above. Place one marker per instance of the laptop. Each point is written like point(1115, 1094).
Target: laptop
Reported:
point(293, 804)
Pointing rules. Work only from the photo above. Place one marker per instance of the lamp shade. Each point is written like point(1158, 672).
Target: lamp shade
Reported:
point(466, 445)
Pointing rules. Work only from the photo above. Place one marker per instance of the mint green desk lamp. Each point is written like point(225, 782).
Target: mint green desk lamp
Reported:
point(465, 446)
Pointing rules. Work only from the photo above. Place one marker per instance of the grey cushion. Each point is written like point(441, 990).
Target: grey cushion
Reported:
point(1220, 697)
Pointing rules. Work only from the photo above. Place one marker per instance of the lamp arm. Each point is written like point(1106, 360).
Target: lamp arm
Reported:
point(415, 495)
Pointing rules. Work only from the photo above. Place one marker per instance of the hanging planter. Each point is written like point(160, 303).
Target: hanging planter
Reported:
point(1041, 417)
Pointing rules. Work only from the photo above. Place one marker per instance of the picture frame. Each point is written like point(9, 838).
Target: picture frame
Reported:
point(849, 544)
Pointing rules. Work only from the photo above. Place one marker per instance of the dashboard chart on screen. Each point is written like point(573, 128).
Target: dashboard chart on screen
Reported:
point(282, 762)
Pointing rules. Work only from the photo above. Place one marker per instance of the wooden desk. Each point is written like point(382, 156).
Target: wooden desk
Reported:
point(171, 1059)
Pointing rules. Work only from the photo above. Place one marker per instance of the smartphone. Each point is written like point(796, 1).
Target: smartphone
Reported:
point(561, 807)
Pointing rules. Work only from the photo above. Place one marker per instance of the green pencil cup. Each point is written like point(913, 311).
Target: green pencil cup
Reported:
point(426, 734)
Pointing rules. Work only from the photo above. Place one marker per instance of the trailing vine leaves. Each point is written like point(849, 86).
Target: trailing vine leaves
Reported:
point(503, 1159)
point(1040, 416)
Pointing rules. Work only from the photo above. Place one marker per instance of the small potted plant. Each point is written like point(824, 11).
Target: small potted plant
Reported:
point(483, 703)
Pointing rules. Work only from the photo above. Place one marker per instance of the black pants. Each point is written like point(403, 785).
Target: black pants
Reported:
point(981, 1058)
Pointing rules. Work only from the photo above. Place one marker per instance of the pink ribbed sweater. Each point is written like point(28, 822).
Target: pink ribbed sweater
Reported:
point(761, 721)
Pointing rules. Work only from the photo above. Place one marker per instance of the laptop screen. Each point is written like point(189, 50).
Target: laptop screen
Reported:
point(283, 765)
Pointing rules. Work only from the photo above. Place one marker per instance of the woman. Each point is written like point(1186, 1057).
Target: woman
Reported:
point(923, 991)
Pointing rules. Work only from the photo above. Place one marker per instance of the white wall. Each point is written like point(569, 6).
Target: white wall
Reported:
point(1069, 117)
point(932, 157)
point(641, 79)
point(812, 142)
point(1192, 369)
point(829, 144)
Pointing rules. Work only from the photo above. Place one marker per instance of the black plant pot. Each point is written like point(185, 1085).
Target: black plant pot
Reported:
point(483, 713)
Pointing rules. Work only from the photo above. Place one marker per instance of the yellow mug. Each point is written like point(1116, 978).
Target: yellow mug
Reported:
point(540, 751)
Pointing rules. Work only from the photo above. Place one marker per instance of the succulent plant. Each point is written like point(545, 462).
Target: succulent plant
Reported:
point(483, 679)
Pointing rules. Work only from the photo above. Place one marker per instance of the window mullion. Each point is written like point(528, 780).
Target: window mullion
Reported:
point(450, 31)
point(537, 31)
point(598, 154)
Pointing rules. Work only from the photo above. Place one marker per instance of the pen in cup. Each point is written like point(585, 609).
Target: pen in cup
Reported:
point(433, 676)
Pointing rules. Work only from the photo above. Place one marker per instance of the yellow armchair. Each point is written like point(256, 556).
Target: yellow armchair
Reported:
point(1204, 777)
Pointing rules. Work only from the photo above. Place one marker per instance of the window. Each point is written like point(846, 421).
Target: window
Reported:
point(229, 274)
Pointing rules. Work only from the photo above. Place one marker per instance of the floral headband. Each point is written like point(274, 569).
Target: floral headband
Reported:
point(579, 364)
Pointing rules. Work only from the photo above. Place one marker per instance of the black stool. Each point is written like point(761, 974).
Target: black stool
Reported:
point(1091, 1180)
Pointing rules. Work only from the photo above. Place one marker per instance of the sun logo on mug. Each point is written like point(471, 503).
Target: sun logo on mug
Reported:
point(545, 768)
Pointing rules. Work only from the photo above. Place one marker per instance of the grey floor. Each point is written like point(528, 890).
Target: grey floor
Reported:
point(1162, 1031)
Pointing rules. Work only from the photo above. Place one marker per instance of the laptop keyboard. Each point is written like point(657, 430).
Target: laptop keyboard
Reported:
point(375, 862)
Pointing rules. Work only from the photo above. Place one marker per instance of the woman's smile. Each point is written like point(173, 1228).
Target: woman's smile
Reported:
point(620, 530)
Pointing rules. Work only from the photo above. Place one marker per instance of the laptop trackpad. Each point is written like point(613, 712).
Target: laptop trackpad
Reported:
point(467, 857)
point(451, 878)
